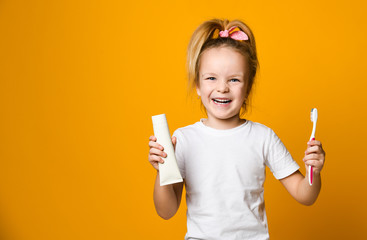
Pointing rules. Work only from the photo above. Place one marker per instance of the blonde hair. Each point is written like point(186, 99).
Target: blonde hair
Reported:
point(202, 39)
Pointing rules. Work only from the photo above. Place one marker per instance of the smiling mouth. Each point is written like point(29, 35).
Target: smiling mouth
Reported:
point(221, 101)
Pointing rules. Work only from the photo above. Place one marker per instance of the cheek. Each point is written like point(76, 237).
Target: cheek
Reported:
point(204, 90)
point(239, 92)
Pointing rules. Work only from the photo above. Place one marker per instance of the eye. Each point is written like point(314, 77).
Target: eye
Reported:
point(234, 80)
point(211, 78)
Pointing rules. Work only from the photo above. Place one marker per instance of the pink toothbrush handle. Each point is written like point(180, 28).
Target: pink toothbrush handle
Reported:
point(311, 175)
point(311, 170)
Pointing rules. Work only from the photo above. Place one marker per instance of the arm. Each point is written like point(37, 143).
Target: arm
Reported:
point(167, 198)
point(297, 185)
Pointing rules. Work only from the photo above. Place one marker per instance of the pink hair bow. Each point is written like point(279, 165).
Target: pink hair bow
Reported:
point(234, 33)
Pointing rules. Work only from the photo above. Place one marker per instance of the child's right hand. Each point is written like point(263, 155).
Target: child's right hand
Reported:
point(156, 151)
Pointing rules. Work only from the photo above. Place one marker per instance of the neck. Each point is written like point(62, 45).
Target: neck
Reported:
point(228, 123)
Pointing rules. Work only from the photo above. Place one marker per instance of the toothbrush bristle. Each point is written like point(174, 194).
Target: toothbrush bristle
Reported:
point(313, 114)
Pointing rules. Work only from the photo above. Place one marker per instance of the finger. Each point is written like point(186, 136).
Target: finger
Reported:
point(154, 151)
point(314, 149)
point(155, 165)
point(313, 156)
point(314, 163)
point(159, 159)
point(155, 159)
point(174, 141)
point(155, 145)
point(152, 138)
point(313, 143)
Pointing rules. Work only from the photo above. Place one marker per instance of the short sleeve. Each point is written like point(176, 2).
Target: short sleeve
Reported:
point(278, 158)
point(179, 152)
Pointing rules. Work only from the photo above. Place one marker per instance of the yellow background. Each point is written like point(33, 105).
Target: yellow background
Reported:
point(80, 80)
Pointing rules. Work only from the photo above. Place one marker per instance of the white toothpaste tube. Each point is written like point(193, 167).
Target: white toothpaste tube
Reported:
point(168, 171)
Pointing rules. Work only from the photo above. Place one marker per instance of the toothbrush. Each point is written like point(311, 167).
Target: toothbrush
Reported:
point(314, 120)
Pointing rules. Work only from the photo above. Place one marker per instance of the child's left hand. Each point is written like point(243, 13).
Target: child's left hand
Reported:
point(314, 156)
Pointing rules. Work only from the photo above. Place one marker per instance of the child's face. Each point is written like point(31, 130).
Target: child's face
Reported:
point(223, 78)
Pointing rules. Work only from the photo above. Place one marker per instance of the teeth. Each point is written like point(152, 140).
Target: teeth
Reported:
point(221, 101)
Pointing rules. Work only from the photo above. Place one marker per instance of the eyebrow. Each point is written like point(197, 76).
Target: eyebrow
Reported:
point(233, 75)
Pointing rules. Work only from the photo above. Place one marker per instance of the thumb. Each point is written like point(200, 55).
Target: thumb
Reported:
point(174, 141)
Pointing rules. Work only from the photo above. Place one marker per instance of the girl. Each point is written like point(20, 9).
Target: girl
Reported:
point(222, 158)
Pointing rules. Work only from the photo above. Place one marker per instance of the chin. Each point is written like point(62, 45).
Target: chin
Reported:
point(225, 116)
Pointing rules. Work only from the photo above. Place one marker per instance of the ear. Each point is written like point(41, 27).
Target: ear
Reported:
point(198, 91)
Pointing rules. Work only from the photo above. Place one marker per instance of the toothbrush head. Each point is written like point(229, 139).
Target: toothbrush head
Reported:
point(314, 115)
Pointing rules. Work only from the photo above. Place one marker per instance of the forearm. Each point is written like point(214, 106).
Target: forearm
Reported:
point(307, 194)
point(165, 199)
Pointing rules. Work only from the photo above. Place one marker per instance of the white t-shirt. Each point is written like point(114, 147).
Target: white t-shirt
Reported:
point(224, 172)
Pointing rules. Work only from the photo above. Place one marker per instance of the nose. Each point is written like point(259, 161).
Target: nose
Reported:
point(222, 86)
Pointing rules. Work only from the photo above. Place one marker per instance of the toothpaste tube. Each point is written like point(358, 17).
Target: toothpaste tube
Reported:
point(168, 171)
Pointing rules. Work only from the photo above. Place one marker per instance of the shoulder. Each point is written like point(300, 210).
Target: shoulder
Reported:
point(187, 129)
point(258, 125)
point(183, 136)
point(261, 129)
